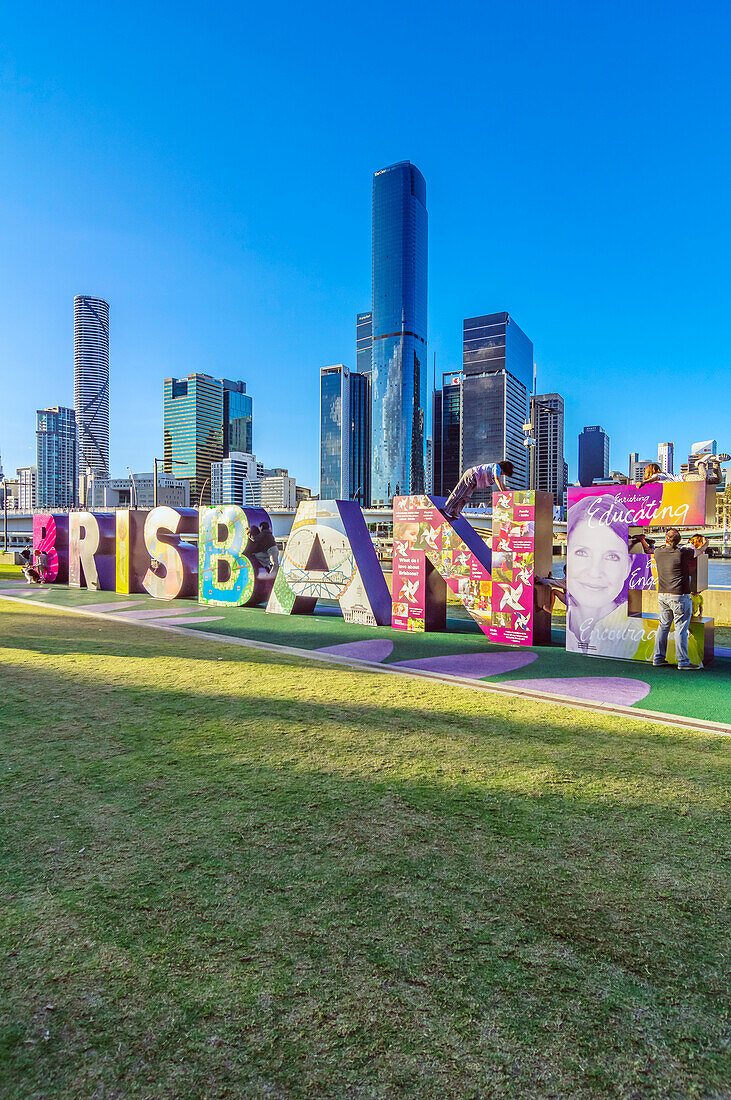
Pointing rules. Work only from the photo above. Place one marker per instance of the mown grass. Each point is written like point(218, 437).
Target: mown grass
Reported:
point(230, 876)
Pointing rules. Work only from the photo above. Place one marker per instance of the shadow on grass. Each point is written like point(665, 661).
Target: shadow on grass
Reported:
point(314, 883)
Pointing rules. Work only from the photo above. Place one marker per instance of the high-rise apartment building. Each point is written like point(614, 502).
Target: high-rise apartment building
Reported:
point(27, 488)
point(497, 372)
point(56, 443)
point(665, 457)
point(91, 392)
point(547, 418)
point(344, 435)
point(235, 480)
point(237, 418)
point(193, 430)
point(398, 381)
point(593, 454)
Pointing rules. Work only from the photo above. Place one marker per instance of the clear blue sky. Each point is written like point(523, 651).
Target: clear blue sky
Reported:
point(208, 171)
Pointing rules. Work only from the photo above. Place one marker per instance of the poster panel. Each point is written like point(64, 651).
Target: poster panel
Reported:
point(92, 551)
point(227, 576)
point(133, 560)
point(495, 585)
point(173, 569)
point(605, 578)
point(51, 536)
point(330, 556)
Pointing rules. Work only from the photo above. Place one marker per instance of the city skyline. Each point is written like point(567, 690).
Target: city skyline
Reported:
point(252, 260)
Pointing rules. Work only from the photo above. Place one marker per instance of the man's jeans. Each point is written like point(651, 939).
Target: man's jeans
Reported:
point(677, 610)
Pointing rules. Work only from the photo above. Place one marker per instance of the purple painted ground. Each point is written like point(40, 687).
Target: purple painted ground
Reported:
point(600, 689)
point(372, 649)
point(475, 666)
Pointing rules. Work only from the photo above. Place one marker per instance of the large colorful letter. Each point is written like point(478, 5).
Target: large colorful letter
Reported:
point(226, 576)
point(91, 551)
point(173, 571)
point(605, 581)
point(133, 561)
point(330, 556)
point(431, 552)
point(51, 535)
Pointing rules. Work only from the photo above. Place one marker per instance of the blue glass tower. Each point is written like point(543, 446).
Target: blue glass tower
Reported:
point(398, 384)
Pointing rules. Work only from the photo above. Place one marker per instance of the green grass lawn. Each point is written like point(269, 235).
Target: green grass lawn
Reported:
point(227, 875)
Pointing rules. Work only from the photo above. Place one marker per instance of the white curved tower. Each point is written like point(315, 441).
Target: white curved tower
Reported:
point(91, 386)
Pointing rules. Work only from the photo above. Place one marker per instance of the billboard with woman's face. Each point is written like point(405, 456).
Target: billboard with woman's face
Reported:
point(601, 572)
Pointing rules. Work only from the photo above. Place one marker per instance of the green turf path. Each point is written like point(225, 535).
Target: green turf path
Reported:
point(705, 695)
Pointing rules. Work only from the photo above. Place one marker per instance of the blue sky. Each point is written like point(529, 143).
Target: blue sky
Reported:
point(209, 173)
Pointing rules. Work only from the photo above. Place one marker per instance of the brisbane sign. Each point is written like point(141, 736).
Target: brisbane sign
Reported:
point(178, 553)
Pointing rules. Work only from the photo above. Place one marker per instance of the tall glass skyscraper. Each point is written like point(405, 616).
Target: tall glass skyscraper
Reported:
point(237, 418)
point(344, 434)
point(193, 431)
point(56, 486)
point(497, 378)
point(399, 384)
point(91, 387)
point(593, 455)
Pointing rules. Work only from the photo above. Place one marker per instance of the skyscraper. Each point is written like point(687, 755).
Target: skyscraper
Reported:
point(547, 418)
point(344, 434)
point(399, 384)
point(497, 377)
point(363, 343)
point(56, 440)
point(193, 431)
point(593, 454)
point(665, 456)
point(91, 391)
point(446, 433)
point(237, 418)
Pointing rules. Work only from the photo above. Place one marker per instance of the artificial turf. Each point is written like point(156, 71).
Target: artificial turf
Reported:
point(705, 695)
point(232, 874)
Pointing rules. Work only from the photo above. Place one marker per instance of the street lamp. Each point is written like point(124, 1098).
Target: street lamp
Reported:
point(5, 515)
point(173, 462)
point(134, 487)
point(530, 440)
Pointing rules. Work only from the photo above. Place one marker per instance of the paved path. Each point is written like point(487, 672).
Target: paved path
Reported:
point(693, 700)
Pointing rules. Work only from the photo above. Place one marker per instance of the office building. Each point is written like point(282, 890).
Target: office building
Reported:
point(665, 457)
point(497, 373)
point(193, 431)
point(363, 343)
point(446, 433)
point(593, 455)
point(237, 418)
point(398, 379)
point(637, 467)
point(278, 490)
point(56, 442)
point(27, 488)
point(547, 418)
point(91, 395)
point(235, 480)
point(344, 435)
point(138, 491)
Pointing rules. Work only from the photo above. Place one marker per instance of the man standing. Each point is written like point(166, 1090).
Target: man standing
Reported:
point(674, 601)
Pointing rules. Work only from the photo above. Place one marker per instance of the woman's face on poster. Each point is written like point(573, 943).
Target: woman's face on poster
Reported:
point(599, 564)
